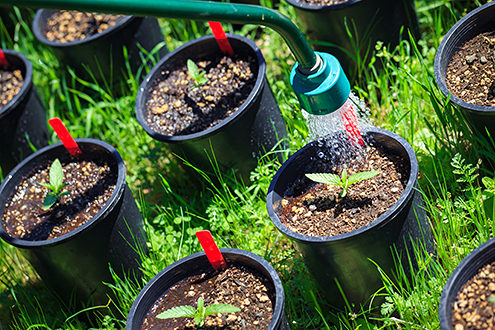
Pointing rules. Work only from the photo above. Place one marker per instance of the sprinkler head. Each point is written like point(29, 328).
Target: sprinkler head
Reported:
point(323, 89)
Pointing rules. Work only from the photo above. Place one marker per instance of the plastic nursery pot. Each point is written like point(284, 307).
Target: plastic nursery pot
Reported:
point(467, 269)
point(345, 258)
point(480, 118)
point(23, 119)
point(257, 125)
point(197, 263)
point(75, 264)
point(368, 21)
point(102, 54)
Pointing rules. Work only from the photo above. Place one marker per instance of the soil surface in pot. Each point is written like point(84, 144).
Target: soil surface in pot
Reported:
point(473, 308)
point(324, 2)
point(235, 285)
point(316, 209)
point(66, 26)
point(176, 106)
point(10, 84)
point(471, 72)
point(90, 182)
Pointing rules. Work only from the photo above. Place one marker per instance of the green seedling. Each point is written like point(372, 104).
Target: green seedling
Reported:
point(198, 77)
point(342, 181)
point(56, 185)
point(199, 313)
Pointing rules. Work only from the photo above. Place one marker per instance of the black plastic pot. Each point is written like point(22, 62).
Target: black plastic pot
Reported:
point(346, 258)
point(236, 141)
point(469, 266)
point(369, 21)
point(75, 264)
point(24, 114)
point(103, 53)
point(475, 22)
point(197, 263)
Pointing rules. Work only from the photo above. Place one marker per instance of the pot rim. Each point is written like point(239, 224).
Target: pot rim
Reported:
point(306, 6)
point(278, 309)
point(140, 107)
point(444, 307)
point(102, 213)
point(120, 24)
point(440, 53)
point(26, 85)
point(406, 195)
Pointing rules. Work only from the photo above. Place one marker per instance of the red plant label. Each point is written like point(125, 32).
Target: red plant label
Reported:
point(3, 60)
point(221, 38)
point(211, 249)
point(63, 134)
point(350, 123)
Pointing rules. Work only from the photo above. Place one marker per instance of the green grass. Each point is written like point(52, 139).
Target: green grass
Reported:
point(403, 97)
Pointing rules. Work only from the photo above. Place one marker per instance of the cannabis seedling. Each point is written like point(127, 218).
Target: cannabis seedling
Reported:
point(341, 181)
point(56, 185)
point(198, 77)
point(199, 313)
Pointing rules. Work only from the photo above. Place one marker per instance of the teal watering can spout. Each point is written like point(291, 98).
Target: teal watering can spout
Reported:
point(317, 79)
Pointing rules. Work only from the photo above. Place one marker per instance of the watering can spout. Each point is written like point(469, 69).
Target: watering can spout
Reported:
point(322, 90)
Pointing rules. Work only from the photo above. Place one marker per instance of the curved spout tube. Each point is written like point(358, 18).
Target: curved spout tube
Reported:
point(192, 9)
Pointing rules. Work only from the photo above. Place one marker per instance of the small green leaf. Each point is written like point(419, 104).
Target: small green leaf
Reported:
point(47, 185)
point(492, 299)
point(192, 68)
point(50, 199)
point(343, 176)
point(199, 319)
point(56, 176)
point(221, 308)
point(180, 311)
point(362, 176)
point(326, 178)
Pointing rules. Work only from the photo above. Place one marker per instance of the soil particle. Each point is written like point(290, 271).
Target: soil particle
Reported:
point(176, 106)
point(324, 2)
point(318, 210)
point(471, 72)
point(10, 84)
point(472, 308)
point(90, 183)
point(235, 285)
point(66, 26)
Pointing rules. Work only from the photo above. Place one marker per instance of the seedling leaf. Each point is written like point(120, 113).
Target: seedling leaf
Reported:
point(221, 308)
point(199, 313)
point(343, 181)
point(50, 199)
point(56, 175)
point(198, 77)
point(180, 311)
point(362, 176)
point(327, 178)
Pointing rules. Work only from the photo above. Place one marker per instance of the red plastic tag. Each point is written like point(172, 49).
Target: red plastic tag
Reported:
point(63, 134)
point(350, 123)
point(211, 249)
point(221, 38)
point(3, 60)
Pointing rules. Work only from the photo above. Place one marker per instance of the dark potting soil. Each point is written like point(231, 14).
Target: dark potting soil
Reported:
point(234, 285)
point(175, 106)
point(473, 308)
point(90, 183)
point(10, 84)
point(66, 26)
point(471, 72)
point(324, 2)
point(316, 209)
